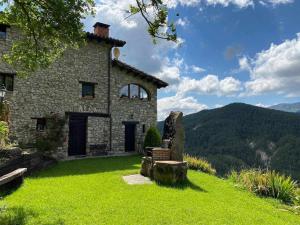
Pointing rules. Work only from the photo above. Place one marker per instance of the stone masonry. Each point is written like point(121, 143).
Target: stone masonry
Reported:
point(57, 89)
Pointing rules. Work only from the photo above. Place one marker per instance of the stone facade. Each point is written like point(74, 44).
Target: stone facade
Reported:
point(58, 89)
point(123, 109)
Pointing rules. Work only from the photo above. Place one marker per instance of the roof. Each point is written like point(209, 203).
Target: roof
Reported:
point(109, 40)
point(159, 83)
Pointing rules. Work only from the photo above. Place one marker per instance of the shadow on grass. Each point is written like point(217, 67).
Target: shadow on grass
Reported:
point(183, 186)
point(90, 166)
point(11, 187)
point(20, 216)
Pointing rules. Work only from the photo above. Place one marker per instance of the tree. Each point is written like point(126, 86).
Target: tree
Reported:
point(49, 27)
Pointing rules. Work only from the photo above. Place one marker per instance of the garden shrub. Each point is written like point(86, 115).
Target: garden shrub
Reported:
point(153, 138)
point(297, 200)
point(196, 163)
point(267, 183)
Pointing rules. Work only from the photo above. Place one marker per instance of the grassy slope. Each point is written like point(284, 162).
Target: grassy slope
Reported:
point(91, 191)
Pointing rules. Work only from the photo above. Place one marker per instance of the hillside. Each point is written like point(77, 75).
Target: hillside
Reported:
point(287, 107)
point(241, 135)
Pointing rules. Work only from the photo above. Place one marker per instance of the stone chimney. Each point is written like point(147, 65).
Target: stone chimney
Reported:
point(101, 30)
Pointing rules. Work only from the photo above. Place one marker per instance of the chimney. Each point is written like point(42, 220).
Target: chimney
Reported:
point(101, 30)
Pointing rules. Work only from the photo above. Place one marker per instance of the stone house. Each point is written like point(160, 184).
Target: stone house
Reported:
point(107, 105)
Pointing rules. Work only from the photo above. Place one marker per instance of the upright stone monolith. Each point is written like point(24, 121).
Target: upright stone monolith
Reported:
point(174, 131)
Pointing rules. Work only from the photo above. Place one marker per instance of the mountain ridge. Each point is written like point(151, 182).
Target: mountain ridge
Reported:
point(287, 107)
point(241, 135)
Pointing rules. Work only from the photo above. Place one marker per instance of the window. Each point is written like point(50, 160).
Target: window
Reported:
point(40, 124)
point(7, 80)
point(133, 91)
point(88, 90)
point(2, 31)
point(144, 128)
point(124, 93)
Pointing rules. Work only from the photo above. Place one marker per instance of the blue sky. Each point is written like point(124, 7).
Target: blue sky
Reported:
point(230, 51)
point(217, 36)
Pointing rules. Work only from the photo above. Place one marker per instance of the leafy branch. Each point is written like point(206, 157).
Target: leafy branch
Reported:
point(49, 27)
point(157, 19)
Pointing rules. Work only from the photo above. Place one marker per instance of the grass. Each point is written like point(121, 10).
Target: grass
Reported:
point(91, 191)
point(267, 183)
point(197, 163)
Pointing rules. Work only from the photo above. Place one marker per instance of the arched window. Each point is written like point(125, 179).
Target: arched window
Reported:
point(134, 91)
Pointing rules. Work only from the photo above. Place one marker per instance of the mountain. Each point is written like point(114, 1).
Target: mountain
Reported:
point(240, 135)
point(287, 107)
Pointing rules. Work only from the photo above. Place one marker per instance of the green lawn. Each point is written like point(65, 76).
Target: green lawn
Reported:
point(91, 191)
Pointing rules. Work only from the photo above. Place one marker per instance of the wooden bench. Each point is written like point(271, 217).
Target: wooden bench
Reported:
point(15, 176)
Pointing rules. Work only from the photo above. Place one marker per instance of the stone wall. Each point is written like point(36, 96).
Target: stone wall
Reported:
point(97, 135)
point(32, 161)
point(59, 91)
point(12, 34)
point(123, 109)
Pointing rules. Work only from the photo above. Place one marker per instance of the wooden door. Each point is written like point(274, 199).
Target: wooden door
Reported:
point(77, 135)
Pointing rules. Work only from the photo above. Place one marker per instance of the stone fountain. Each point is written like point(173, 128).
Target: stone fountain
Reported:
point(166, 164)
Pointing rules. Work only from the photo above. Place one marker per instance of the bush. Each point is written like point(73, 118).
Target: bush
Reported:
point(53, 136)
point(153, 138)
point(195, 163)
point(297, 200)
point(267, 183)
point(3, 133)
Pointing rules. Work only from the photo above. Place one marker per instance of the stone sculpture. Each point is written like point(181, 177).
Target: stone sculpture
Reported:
point(174, 131)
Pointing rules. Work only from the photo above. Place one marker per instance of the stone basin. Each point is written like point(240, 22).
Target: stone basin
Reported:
point(170, 172)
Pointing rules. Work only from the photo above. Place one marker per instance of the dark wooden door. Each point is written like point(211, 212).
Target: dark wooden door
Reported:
point(77, 135)
point(130, 137)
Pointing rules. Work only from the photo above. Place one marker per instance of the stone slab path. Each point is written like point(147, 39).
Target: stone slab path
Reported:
point(136, 179)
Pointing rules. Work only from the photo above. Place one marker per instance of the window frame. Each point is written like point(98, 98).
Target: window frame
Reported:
point(93, 85)
point(5, 75)
point(140, 87)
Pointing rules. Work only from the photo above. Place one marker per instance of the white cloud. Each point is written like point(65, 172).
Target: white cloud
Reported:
point(262, 105)
point(244, 64)
point(197, 69)
point(277, 2)
point(239, 3)
point(275, 70)
point(230, 86)
point(187, 105)
point(114, 12)
point(182, 22)
point(170, 71)
point(225, 3)
point(175, 3)
point(219, 105)
point(210, 85)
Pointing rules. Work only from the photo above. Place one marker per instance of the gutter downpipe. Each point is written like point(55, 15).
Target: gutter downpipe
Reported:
point(109, 99)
